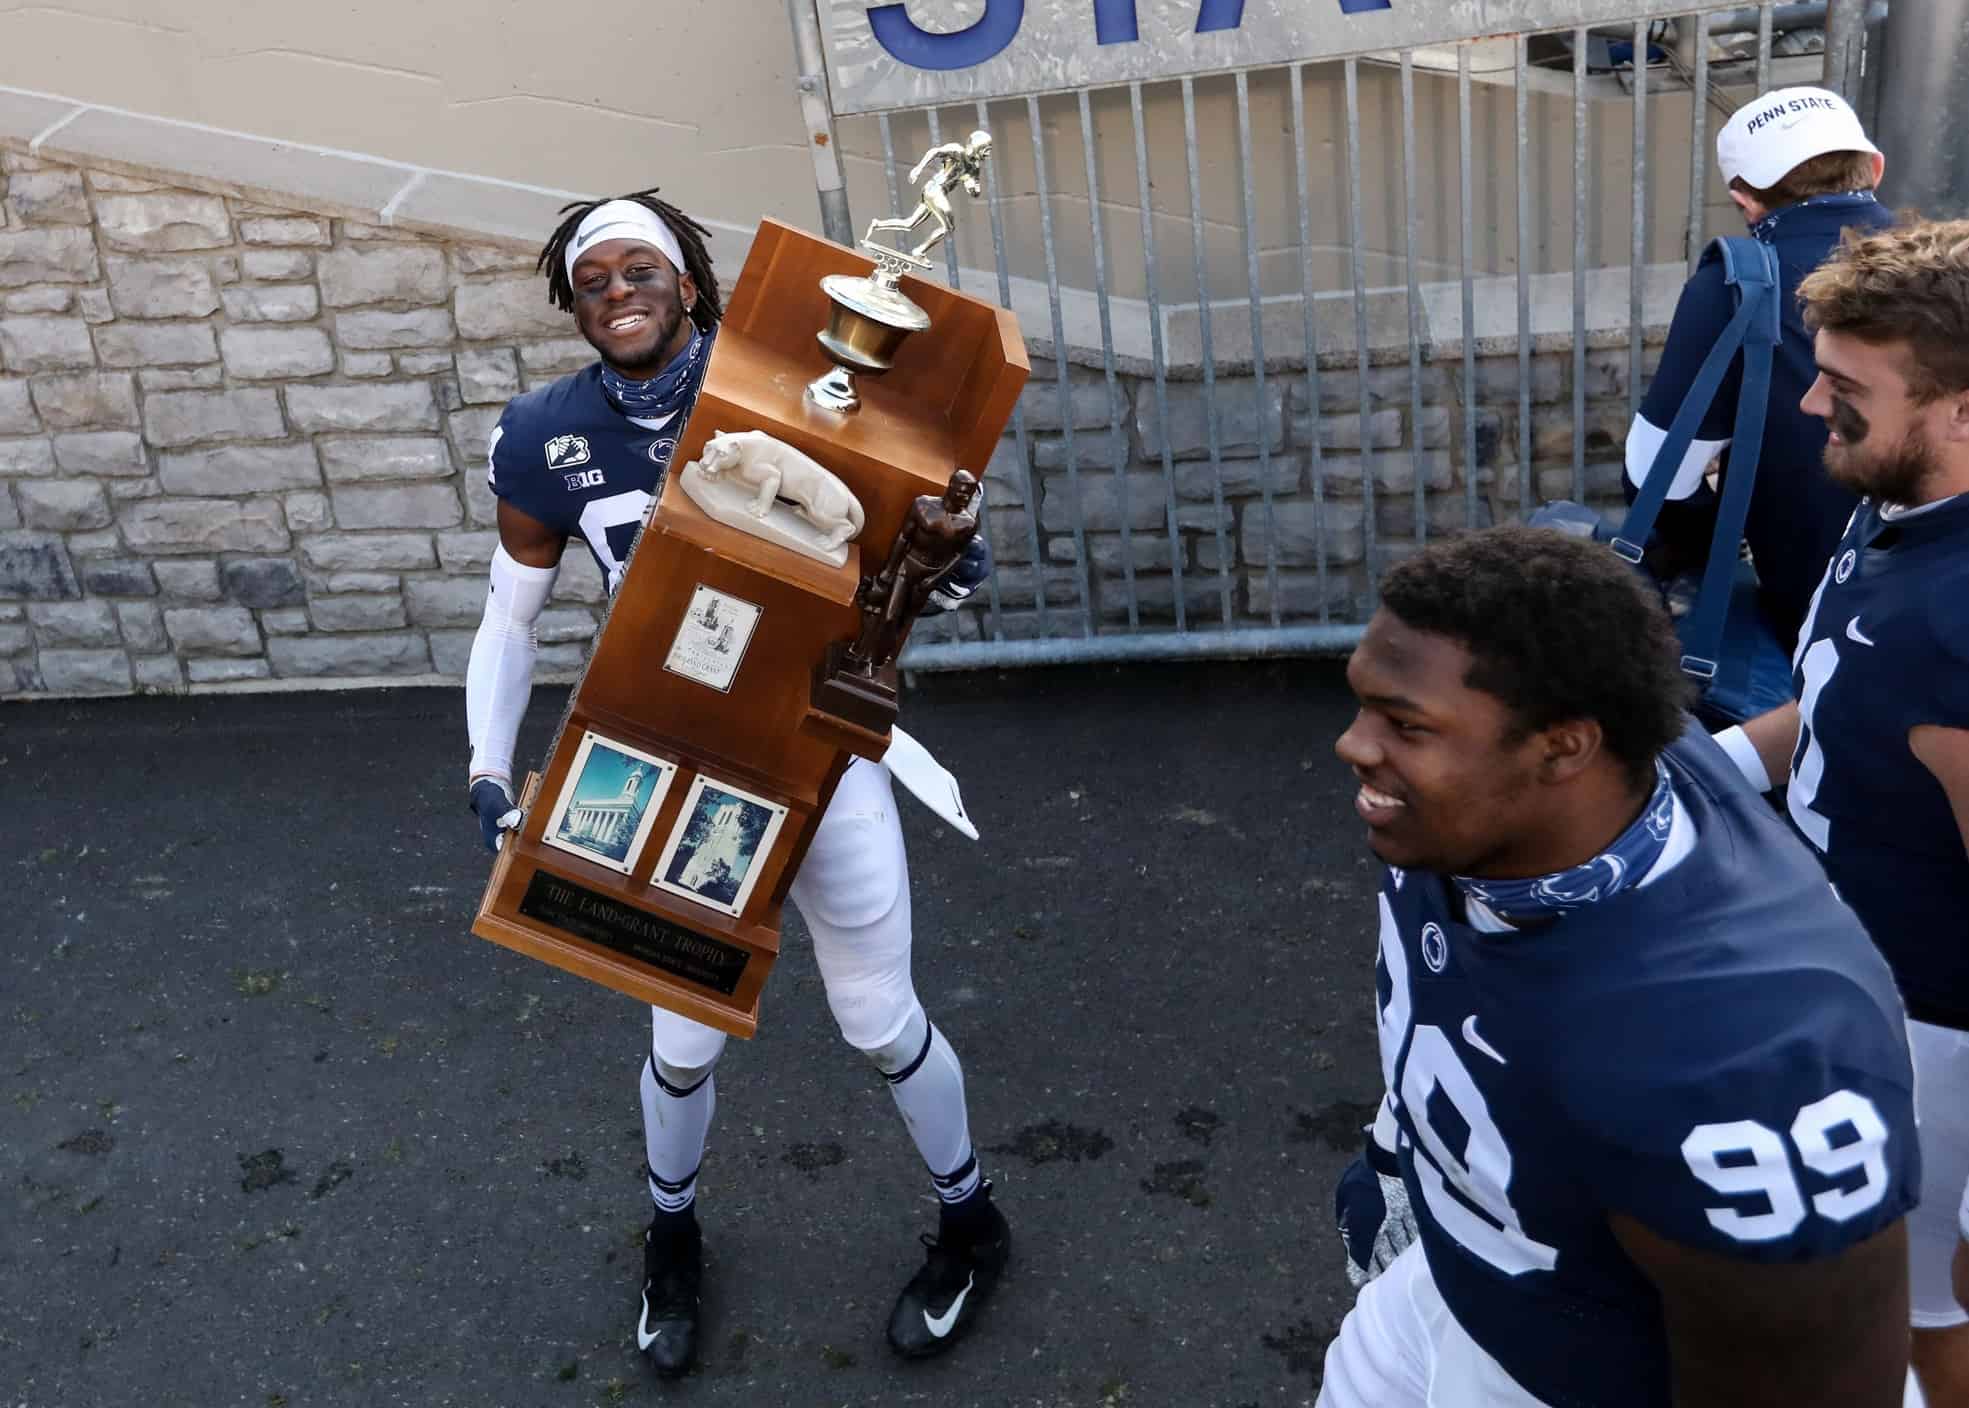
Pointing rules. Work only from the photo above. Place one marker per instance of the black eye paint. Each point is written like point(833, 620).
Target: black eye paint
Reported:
point(1848, 423)
point(635, 278)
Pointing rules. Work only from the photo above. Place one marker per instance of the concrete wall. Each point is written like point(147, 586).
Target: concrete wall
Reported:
point(1608, 212)
point(242, 441)
point(265, 285)
point(577, 95)
point(698, 96)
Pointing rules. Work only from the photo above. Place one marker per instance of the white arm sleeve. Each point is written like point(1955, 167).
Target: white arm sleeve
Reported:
point(500, 675)
point(1735, 742)
point(1644, 442)
point(1384, 1131)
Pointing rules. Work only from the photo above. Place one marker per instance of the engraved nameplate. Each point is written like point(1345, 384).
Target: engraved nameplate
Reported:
point(712, 639)
point(638, 933)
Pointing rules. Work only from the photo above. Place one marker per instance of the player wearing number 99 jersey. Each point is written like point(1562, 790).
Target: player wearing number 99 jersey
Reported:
point(1877, 742)
point(1647, 1080)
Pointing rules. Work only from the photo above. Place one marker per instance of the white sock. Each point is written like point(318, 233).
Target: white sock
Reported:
point(930, 1093)
point(675, 1126)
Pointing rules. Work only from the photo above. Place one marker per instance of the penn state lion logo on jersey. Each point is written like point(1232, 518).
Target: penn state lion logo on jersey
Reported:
point(1435, 949)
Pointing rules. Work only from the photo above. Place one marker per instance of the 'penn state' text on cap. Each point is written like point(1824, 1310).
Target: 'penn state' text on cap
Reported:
point(1768, 136)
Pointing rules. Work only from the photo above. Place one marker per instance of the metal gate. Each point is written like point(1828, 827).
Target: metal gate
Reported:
point(1234, 424)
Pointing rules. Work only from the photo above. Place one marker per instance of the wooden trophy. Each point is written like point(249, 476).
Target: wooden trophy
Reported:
point(747, 657)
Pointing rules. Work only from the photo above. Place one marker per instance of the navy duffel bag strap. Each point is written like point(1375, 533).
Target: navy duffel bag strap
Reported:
point(1752, 268)
point(1641, 514)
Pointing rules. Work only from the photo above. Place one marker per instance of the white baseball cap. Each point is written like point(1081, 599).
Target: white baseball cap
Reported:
point(1768, 136)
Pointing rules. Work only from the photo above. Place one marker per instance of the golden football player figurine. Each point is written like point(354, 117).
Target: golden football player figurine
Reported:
point(956, 162)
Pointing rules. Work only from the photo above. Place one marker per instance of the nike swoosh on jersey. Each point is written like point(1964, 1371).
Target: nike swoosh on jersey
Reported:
point(1470, 1035)
point(1853, 632)
point(940, 1325)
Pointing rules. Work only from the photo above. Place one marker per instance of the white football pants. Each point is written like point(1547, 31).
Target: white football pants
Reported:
point(1941, 1108)
point(1399, 1347)
point(853, 892)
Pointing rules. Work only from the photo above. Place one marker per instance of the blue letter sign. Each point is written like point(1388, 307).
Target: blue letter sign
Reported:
point(1221, 14)
point(998, 26)
point(967, 48)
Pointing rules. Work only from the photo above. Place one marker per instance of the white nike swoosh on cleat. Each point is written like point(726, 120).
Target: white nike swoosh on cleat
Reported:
point(644, 1339)
point(1853, 632)
point(1470, 1035)
point(940, 1325)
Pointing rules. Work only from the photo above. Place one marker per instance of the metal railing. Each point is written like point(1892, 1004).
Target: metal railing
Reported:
point(1087, 587)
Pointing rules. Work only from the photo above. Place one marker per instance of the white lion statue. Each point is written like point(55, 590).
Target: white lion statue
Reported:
point(772, 469)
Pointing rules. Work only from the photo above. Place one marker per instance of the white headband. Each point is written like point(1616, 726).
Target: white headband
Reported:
point(623, 220)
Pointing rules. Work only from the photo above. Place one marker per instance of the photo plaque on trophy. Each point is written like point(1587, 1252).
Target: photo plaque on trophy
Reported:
point(748, 655)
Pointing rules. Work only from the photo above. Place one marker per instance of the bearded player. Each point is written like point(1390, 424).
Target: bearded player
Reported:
point(1876, 747)
point(1648, 1085)
point(583, 459)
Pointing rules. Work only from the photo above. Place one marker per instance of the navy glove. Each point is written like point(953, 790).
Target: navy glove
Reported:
point(964, 577)
point(496, 812)
point(1371, 1206)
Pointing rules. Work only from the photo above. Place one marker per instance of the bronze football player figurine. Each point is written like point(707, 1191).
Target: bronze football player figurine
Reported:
point(933, 538)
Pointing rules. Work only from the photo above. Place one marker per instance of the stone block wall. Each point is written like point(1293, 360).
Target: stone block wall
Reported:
point(241, 443)
point(1129, 460)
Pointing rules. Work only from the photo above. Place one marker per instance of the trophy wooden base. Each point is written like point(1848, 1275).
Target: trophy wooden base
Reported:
point(867, 701)
point(578, 917)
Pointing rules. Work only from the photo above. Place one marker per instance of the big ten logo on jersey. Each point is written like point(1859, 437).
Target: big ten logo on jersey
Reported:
point(584, 479)
point(567, 451)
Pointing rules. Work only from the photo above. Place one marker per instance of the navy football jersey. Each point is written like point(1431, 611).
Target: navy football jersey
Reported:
point(565, 455)
point(1886, 648)
point(1718, 1054)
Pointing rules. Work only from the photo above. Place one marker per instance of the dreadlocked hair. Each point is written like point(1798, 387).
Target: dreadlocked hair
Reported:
point(705, 312)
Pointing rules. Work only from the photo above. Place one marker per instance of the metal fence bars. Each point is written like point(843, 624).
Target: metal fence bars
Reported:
point(1289, 323)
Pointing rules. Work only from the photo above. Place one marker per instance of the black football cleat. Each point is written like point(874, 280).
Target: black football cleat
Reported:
point(942, 1300)
point(673, 1271)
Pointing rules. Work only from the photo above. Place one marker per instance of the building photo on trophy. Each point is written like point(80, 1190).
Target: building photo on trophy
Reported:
point(720, 833)
point(610, 802)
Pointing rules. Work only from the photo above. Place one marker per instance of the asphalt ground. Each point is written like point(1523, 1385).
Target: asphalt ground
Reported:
point(278, 1131)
